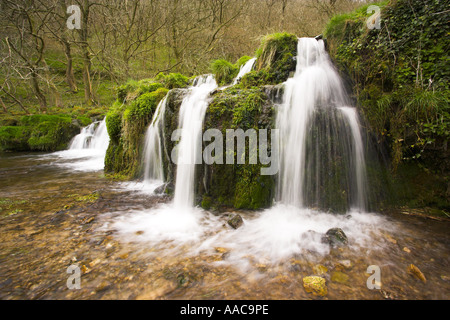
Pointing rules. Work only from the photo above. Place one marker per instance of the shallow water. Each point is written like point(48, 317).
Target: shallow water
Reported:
point(131, 244)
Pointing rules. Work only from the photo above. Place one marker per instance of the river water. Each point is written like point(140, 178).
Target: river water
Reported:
point(55, 213)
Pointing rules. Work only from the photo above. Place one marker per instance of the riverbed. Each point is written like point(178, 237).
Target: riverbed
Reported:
point(129, 244)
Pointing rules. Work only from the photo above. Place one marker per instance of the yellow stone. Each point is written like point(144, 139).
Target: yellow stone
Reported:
point(315, 285)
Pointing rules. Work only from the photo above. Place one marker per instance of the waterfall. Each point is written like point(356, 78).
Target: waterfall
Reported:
point(246, 68)
point(321, 154)
point(93, 137)
point(153, 171)
point(191, 115)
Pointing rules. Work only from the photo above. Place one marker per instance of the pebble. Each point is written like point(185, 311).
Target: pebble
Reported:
point(315, 285)
point(413, 270)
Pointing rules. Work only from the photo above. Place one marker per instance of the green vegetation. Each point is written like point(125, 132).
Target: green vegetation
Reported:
point(224, 71)
point(238, 186)
point(129, 117)
point(400, 75)
point(275, 60)
point(40, 133)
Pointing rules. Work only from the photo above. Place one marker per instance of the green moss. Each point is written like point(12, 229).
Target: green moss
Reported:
point(172, 80)
point(39, 133)
point(224, 71)
point(84, 121)
point(276, 56)
point(114, 125)
point(49, 136)
point(238, 186)
point(242, 61)
point(14, 138)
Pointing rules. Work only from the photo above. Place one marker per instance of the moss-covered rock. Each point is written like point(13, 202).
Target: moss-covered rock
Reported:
point(275, 60)
point(237, 185)
point(315, 285)
point(14, 138)
point(399, 75)
point(128, 119)
point(39, 133)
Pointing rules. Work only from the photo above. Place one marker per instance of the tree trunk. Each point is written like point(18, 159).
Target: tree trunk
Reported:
point(88, 92)
point(70, 77)
point(37, 91)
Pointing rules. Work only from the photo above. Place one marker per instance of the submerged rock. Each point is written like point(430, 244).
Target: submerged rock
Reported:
point(339, 277)
point(343, 265)
point(315, 285)
point(335, 237)
point(235, 221)
point(320, 269)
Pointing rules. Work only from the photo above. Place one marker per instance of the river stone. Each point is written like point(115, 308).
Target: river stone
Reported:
point(320, 269)
point(414, 271)
point(335, 237)
point(235, 221)
point(160, 189)
point(339, 277)
point(315, 285)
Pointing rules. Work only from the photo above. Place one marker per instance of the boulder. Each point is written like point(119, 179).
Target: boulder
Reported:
point(335, 237)
point(235, 221)
point(315, 285)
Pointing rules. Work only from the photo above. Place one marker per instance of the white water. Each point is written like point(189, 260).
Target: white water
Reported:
point(191, 116)
point(153, 152)
point(316, 84)
point(88, 149)
point(358, 156)
point(246, 68)
point(290, 227)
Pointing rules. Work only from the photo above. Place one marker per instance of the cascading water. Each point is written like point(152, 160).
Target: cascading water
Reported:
point(321, 168)
point(93, 137)
point(153, 170)
point(89, 148)
point(246, 68)
point(321, 156)
point(192, 113)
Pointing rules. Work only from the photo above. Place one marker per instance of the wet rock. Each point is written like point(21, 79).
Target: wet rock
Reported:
point(414, 271)
point(339, 277)
point(335, 237)
point(169, 189)
point(315, 285)
point(235, 221)
point(160, 189)
point(343, 265)
point(320, 269)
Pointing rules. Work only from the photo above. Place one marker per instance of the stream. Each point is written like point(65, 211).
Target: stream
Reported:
point(55, 212)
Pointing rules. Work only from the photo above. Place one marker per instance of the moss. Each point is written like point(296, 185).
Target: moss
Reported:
point(84, 121)
point(238, 186)
point(172, 80)
point(39, 133)
point(14, 138)
point(114, 125)
point(242, 61)
point(126, 123)
point(276, 56)
point(224, 71)
point(49, 136)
